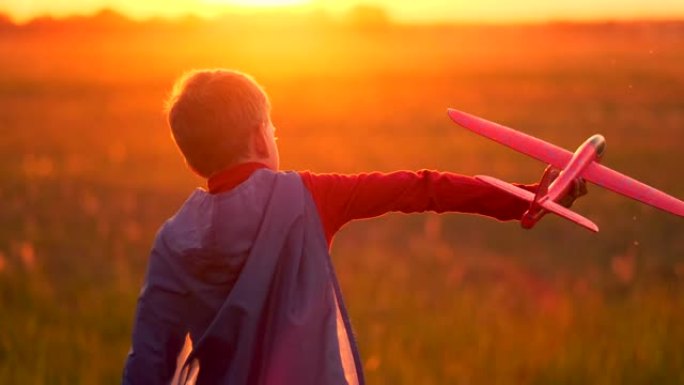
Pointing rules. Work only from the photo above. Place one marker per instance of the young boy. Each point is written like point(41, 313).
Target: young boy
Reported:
point(243, 266)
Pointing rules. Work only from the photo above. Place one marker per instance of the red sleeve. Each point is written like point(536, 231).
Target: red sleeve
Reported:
point(341, 198)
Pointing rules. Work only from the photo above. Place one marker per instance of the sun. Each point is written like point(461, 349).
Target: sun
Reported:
point(260, 3)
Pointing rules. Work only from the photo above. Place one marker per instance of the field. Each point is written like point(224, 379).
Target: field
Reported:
point(89, 173)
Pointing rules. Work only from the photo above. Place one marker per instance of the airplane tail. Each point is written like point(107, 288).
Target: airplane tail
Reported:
point(536, 202)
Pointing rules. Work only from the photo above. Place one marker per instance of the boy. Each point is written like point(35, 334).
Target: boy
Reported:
point(243, 267)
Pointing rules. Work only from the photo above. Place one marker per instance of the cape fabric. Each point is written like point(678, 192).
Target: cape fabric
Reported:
point(261, 297)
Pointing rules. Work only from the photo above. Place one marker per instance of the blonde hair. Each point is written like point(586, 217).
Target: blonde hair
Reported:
point(212, 115)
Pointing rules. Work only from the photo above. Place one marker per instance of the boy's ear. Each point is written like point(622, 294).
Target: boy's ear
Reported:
point(260, 142)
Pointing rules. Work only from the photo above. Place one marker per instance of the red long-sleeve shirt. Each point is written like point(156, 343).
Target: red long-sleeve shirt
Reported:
point(341, 198)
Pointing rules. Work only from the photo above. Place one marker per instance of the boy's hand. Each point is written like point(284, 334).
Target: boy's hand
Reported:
point(577, 189)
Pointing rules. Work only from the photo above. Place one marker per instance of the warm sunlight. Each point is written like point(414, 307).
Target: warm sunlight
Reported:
point(260, 3)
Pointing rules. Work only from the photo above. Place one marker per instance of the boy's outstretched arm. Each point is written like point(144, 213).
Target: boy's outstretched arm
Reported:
point(344, 197)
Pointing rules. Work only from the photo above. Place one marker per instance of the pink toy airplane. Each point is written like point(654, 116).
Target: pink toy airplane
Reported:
point(583, 163)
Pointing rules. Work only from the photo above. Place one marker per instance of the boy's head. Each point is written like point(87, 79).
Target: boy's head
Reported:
point(219, 118)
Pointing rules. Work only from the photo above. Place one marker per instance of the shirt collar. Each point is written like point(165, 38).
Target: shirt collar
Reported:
point(229, 178)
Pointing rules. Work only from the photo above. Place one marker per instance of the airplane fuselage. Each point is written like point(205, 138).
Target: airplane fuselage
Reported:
point(591, 150)
point(588, 152)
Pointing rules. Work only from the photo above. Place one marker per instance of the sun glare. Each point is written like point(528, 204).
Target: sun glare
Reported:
point(260, 3)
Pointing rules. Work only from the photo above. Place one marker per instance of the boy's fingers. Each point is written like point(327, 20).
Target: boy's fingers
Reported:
point(576, 188)
point(579, 187)
point(553, 172)
point(582, 187)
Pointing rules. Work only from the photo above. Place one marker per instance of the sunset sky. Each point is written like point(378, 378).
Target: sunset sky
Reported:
point(401, 10)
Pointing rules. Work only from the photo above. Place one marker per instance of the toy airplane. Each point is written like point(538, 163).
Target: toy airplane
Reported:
point(583, 163)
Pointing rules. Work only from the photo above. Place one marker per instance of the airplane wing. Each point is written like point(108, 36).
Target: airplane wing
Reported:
point(569, 214)
point(632, 188)
point(547, 204)
point(527, 144)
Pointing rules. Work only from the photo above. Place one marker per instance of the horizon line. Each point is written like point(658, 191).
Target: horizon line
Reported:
point(333, 16)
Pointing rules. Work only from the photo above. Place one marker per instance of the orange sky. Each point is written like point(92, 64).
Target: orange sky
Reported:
point(402, 10)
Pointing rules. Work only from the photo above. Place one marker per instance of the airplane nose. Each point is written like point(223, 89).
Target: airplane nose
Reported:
point(599, 143)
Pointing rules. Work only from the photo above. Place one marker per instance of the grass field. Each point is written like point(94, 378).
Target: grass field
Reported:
point(89, 173)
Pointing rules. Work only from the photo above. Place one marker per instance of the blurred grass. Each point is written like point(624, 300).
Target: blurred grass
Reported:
point(89, 173)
